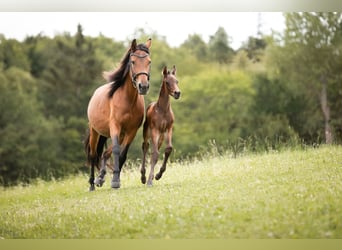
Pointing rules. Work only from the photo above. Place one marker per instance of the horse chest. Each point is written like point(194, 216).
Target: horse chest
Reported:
point(163, 121)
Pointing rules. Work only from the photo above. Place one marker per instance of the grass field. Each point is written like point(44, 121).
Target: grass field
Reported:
point(288, 194)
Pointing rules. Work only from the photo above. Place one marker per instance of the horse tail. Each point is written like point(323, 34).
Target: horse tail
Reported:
point(94, 159)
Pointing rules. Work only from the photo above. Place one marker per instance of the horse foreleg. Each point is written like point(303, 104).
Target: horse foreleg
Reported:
point(123, 156)
point(154, 158)
point(167, 153)
point(145, 146)
point(116, 169)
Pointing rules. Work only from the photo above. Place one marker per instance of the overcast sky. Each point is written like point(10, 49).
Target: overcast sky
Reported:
point(174, 26)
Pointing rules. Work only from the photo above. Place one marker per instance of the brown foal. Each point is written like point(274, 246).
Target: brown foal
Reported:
point(158, 123)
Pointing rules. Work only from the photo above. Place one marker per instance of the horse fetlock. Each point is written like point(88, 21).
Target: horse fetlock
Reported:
point(99, 181)
point(168, 150)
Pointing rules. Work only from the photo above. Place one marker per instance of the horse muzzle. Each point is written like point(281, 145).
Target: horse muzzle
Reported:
point(143, 88)
point(176, 94)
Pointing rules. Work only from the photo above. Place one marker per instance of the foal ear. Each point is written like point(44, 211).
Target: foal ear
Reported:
point(134, 45)
point(149, 43)
point(164, 72)
point(174, 70)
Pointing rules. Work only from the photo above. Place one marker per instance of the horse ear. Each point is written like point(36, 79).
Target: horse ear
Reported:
point(164, 71)
point(134, 45)
point(174, 70)
point(149, 43)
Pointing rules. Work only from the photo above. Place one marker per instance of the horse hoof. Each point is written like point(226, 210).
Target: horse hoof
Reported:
point(99, 181)
point(143, 179)
point(150, 184)
point(115, 184)
point(91, 188)
point(158, 176)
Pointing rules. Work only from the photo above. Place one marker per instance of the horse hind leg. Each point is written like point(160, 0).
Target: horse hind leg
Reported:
point(90, 145)
point(168, 151)
point(100, 179)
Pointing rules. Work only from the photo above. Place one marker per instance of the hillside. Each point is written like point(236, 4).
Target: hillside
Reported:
point(288, 194)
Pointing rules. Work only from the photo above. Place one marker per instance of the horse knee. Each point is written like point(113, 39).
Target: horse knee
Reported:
point(155, 156)
point(116, 149)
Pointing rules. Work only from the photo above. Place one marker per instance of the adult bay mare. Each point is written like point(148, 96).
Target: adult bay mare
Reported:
point(116, 110)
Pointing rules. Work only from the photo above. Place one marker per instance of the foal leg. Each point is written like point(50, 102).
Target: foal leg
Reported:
point(103, 170)
point(168, 151)
point(154, 158)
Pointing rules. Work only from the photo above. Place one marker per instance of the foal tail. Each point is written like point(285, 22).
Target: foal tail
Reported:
point(94, 159)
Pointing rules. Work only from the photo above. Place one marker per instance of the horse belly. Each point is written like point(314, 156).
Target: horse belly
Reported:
point(99, 111)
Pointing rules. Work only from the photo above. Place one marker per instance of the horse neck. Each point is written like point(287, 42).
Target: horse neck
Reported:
point(131, 92)
point(164, 98)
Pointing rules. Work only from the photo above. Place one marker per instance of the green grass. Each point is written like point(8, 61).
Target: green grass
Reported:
point(289, 194)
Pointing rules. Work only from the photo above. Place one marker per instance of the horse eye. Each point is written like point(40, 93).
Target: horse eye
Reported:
point(132, 62)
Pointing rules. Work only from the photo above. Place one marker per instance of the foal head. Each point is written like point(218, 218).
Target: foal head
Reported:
point(140, 65)
point(171, 82)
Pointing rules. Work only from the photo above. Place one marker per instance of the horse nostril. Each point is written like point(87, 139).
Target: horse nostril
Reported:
point(177, 94)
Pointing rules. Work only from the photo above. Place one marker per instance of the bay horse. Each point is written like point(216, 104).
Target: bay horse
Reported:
point(116, 111)
point(159, 123)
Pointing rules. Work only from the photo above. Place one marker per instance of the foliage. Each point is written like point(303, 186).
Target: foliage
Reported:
point(308, 60)
point(266, 94)
point(28, 147)
point(219, 91)
point(288, 194)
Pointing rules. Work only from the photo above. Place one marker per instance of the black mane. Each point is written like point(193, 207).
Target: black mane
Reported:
point(117, 77)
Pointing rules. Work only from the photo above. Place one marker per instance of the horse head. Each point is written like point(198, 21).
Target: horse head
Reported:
point(140, 65)
point(169, 78)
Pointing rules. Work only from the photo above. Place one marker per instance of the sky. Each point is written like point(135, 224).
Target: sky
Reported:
point(174, 26)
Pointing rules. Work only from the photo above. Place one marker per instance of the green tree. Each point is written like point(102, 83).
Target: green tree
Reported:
point(312, 53)
point(308, 62)
point(195, 44)
point(254, 48)
point(13, 54)
point(214, 107)
point(29, 145)
point(219, 47)
point(69, 75)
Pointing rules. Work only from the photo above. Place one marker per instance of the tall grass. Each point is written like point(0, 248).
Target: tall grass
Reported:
point(287, 194)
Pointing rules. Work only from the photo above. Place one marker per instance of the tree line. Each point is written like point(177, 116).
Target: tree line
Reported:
point(281, 89)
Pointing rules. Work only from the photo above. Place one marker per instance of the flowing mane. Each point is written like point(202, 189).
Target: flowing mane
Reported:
point(117, 77)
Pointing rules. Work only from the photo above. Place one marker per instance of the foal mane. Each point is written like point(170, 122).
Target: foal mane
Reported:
point(117, 77)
